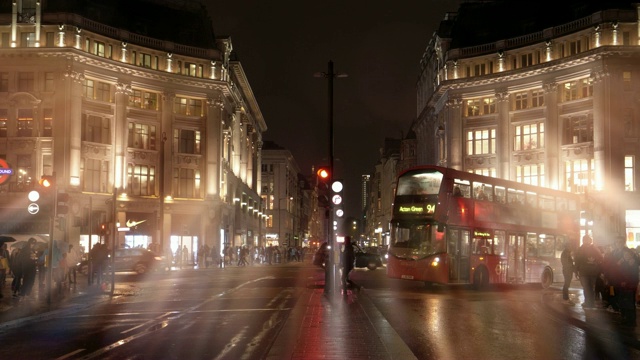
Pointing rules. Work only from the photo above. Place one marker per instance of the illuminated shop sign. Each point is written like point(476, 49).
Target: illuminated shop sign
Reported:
point(417, 209)
point(5, 171)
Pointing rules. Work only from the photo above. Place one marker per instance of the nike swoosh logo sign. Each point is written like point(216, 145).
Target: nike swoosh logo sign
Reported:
point(134, 223)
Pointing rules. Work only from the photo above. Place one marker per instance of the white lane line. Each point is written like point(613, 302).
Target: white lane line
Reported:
point(164, 323)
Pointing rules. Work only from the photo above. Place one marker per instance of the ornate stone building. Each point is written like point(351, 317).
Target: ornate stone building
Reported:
point(547, 96)
point(145, 118)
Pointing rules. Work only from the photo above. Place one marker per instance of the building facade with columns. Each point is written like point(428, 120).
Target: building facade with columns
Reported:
point(152, 130)
point(543, 97)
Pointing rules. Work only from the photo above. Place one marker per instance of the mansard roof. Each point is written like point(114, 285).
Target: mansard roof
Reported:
point(482, 22)
point(180, 21)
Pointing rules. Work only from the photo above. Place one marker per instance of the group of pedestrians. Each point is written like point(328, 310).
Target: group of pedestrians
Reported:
point(611, 277)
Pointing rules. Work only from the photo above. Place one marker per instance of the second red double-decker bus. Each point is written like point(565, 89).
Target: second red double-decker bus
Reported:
point(455, 227)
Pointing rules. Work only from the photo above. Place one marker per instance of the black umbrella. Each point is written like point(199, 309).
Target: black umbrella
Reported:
point(6, 239)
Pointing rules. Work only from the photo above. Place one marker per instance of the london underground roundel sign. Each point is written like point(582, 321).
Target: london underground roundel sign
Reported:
point(5, 171)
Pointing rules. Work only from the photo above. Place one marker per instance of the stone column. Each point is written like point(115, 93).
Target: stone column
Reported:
point(166, 167)
point(245, 148)
point(236, 147)
point(74, 121)
point(120, 134)
point(214, 145)
point(455, 134)
point(601, 132)
point(503, 139)
point(553, 138)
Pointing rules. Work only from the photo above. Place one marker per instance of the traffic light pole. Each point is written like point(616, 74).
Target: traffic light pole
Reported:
point(49, 260)
point(335, 258)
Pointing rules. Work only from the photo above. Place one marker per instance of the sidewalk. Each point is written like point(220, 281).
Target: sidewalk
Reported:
point(598, 321)
point(15, 312)
point(339, 328)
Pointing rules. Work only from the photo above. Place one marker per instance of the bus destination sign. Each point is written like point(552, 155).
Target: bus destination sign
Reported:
point(417, 209)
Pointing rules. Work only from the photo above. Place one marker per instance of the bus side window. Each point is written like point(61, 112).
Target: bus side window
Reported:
point(532, 245)
point(500, 195)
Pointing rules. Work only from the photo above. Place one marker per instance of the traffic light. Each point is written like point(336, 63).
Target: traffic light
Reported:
point(62, 203)
point(324, 173)
point(41, 197)
point(47, 182)
point(337, 198)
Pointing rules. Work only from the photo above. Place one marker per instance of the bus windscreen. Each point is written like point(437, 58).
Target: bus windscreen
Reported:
point(423, 183)
point(415, 241)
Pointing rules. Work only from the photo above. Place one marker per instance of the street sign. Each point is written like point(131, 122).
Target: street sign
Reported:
point(33, 208)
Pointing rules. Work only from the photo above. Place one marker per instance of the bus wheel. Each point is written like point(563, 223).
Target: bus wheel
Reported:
point(480, 278)
point(546, 279)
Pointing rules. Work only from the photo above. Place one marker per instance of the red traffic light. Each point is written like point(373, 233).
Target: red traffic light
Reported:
point(323, 173)
point(47, 181)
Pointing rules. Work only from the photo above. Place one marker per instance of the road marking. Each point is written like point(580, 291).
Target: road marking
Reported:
point(159, 324)
point(70, 354)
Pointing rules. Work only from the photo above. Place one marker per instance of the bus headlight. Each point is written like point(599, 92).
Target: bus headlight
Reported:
point(435, 261)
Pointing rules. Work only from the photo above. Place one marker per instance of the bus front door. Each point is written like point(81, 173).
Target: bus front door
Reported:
point(515, 259)
point(459, 249)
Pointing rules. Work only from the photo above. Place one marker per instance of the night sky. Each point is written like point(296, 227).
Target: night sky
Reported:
point(378, 44)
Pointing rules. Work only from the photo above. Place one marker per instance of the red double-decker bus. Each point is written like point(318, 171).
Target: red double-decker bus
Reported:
point(456, 227)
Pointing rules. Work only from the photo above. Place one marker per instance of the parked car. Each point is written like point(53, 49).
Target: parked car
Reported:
point(138, 260)
point(370, 260)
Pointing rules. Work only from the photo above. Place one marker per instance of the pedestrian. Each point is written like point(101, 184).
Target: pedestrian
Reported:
point(242, 257)
point(348, 259)
point(205, 255)
point(4, 266)
point(321, 256)
point(73, 258)
point(611, 270)
point(185, 255)
point(215, 257)
point(628, 285)
point(588, 263)
point(63, 271)
point(98, 258)
point(16, 270)
point(28, 258)
point(568, 268)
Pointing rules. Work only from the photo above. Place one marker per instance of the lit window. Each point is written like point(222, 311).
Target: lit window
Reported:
point(580, 175)
point(186, 182)
point(529, 136)
point(99, 49)
point(25, 122)
point(142, 136)
point(141, 179)
point(144, 99)
point(484, 171)
point(532, 174)
point(578, 129)
point(482, 106)
point(481, 141)
point(96, 129)
point(186, 106)
point(626, 80)
point(579, 89)
point(629, 183)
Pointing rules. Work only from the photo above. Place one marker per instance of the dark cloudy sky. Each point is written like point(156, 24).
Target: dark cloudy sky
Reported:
point(378, 44)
